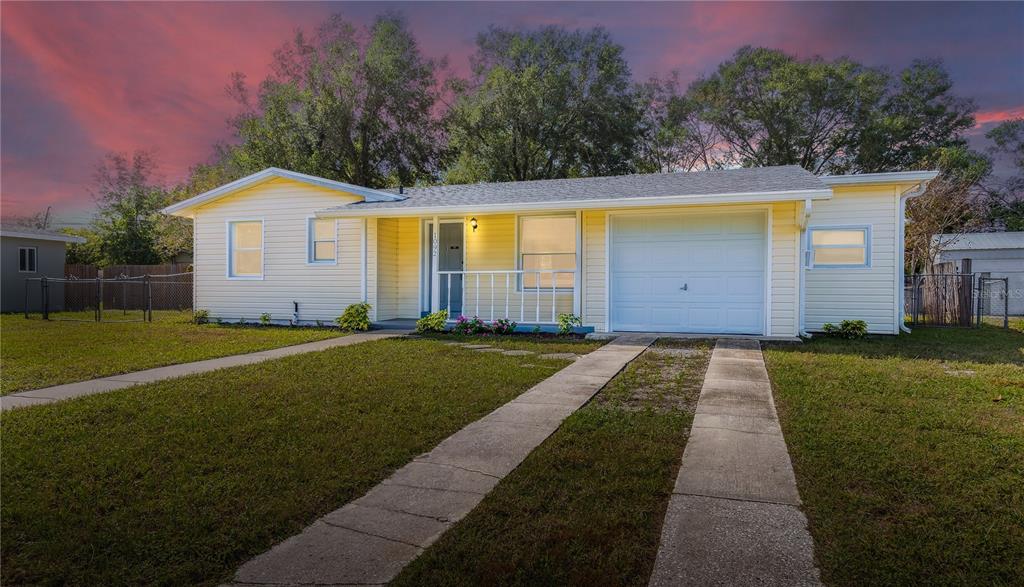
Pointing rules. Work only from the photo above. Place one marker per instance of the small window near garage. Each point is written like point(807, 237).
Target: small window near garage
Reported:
point(840, 247)
point(323, 241)
point(547, 243)
point(27, 259)
point(246, 242)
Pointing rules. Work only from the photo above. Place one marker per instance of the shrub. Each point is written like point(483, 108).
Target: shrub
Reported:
point(200, 317)
point(503, 326)
point(472, 325)
point(847, 329)
point(265, 319)
point(432, 322)
point(566, 322)
point(355, 318)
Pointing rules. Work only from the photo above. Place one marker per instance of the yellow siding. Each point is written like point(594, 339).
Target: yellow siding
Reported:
point(595, 299)
point(387, 268)
point(323, 291)
point(833, 295)
point(784, 270)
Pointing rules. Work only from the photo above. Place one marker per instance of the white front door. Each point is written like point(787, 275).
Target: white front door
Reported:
point(688, 272)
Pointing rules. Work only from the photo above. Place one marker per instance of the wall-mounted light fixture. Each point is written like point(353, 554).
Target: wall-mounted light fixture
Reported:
point(473, 224)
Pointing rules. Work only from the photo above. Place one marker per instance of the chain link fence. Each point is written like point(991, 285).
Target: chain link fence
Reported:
point(121, 298)
point(964, 299)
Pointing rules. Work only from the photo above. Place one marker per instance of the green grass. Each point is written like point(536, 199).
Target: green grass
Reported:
point(37, 353)
point(586, 507)
point(909, 454)
point(179, 482)
point(540, 343)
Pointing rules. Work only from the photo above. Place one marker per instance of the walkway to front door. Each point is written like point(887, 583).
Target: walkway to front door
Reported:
point(734, 516)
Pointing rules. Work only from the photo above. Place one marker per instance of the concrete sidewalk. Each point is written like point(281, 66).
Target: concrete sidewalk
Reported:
point(370, 540)
point(48, 395)
point(734, 516)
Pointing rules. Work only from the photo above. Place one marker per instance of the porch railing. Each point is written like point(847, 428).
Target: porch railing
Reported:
point(506, 294)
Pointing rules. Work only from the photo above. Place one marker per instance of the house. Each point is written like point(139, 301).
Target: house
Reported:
point(771, 251)
point(992, 255)
point(27, 253)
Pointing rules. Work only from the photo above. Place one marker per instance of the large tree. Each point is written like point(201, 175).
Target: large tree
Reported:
point(348, 104)
point(1006, 199)
point(129, 198)
point(547, 103)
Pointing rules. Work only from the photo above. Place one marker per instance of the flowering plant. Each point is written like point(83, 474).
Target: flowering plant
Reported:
point(472, 325)
point(503, 326)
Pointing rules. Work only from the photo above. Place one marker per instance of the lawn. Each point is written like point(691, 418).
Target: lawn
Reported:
point(909, 454)
point(37, 353)
point(180, 481)
point(586, 507)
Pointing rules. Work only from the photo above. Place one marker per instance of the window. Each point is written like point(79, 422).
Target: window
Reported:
point(246, 244)
point(840, 246)
point(27, 259)
point(546, 243)
point(323, 241)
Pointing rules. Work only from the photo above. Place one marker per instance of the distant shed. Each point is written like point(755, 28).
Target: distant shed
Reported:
point(992, 254)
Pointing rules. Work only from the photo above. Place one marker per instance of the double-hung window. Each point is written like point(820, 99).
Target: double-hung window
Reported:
point(547, 243)
point(840, 247)
point(27, 259)
point(245, 241)
point(323, 241)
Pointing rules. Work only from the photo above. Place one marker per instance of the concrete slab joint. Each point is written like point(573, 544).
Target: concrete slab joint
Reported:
point(370, 540)
point(734, 515)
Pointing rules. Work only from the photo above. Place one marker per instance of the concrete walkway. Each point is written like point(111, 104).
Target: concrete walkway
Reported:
point(370, 540)
point(734, 516)
point(48, 395)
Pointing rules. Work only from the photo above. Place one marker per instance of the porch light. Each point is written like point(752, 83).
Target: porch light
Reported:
point(473, 223)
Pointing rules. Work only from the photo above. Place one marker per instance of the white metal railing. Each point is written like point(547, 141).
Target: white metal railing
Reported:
point(512, 284)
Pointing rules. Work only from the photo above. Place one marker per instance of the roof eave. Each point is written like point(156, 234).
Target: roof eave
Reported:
point(68, 238)
point(879, 178)
point(607, 203)
point(184, 207)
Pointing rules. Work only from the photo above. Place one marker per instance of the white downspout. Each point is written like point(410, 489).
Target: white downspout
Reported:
point(805, 219)
point(901, 245)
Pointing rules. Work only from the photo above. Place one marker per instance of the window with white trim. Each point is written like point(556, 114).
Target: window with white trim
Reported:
point(547, 243)
point(27, 259)
point(323, 240)
point(840, 247)
point(246, 243)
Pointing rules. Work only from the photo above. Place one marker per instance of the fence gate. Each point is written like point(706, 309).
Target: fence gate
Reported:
point(993, 300)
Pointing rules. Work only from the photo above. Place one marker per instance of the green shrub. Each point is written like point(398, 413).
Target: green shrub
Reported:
point(200, 317)
point(355, 318)
point(566, 323)
point(265, 319)
point(851, 329)
point(432, 322)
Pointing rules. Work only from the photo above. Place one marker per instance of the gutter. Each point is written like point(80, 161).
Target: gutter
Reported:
point(901, 302)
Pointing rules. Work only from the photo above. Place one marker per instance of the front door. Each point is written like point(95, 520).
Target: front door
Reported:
point(450, 255)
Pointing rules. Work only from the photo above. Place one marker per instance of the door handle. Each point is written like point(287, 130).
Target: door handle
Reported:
point(684, 286)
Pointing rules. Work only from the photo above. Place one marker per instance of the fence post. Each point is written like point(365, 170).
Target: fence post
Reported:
point(45, 290)
point(149, 298)
point(99, 295)
point(26, 299)
point(1006, 303)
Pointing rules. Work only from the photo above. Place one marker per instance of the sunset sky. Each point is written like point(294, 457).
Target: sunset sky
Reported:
point(82, 79)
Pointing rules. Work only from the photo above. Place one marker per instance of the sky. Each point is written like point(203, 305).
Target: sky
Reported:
point(78, 80)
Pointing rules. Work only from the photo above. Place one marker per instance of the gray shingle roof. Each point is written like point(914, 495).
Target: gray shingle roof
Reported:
point(701, 183)
point(16, 230)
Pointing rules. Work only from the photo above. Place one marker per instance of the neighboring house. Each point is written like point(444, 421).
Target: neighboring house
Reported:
point(706, 252)
point(992, 254)
point(30, 253)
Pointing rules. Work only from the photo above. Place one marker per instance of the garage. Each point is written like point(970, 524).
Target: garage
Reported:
point(688, 272)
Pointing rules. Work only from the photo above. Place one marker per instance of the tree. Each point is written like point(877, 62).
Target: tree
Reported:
point(350, 105)
point(34, 220)
point(87, 253)
point(543, 104)
point(918, 116)
point(951, 205)
point(772, 109)
point(129, 200)
point(672, 135)
point(1006, 200)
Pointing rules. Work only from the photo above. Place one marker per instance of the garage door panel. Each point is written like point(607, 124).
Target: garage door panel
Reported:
point(718, 257)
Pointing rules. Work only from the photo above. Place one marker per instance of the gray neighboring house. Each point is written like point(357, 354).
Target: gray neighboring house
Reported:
point(992, 254)
point(27, 253)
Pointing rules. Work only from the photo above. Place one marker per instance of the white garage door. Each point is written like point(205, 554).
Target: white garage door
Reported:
point(693, 272)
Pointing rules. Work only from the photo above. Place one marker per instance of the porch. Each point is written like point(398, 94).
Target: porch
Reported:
point(522, 268)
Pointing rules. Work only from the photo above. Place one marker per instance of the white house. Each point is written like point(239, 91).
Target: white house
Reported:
point(771, 251)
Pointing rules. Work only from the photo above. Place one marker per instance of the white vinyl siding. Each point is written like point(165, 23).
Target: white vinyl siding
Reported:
point(785, 277)
point(834, 294)
point(285, 206)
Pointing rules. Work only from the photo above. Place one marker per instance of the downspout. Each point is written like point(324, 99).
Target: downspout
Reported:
point(805, 219)
point(901, 246)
